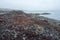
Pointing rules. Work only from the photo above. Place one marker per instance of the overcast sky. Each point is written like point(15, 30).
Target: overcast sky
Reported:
point(31, 4)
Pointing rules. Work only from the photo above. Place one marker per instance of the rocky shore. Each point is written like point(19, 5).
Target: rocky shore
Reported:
point(18, 25)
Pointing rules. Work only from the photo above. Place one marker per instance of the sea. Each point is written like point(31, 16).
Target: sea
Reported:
point(53, 14)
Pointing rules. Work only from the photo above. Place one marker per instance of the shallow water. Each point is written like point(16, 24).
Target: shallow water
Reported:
point(53, 14)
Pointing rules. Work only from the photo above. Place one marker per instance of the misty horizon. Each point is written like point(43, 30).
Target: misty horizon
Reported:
point(30, 5)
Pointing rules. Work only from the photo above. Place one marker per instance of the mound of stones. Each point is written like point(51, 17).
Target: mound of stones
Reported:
point(18, 25)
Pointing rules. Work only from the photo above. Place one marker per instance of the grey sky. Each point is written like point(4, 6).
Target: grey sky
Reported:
point(31, 4)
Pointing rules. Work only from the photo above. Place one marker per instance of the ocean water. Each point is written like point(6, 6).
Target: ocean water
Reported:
point(53, 14)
